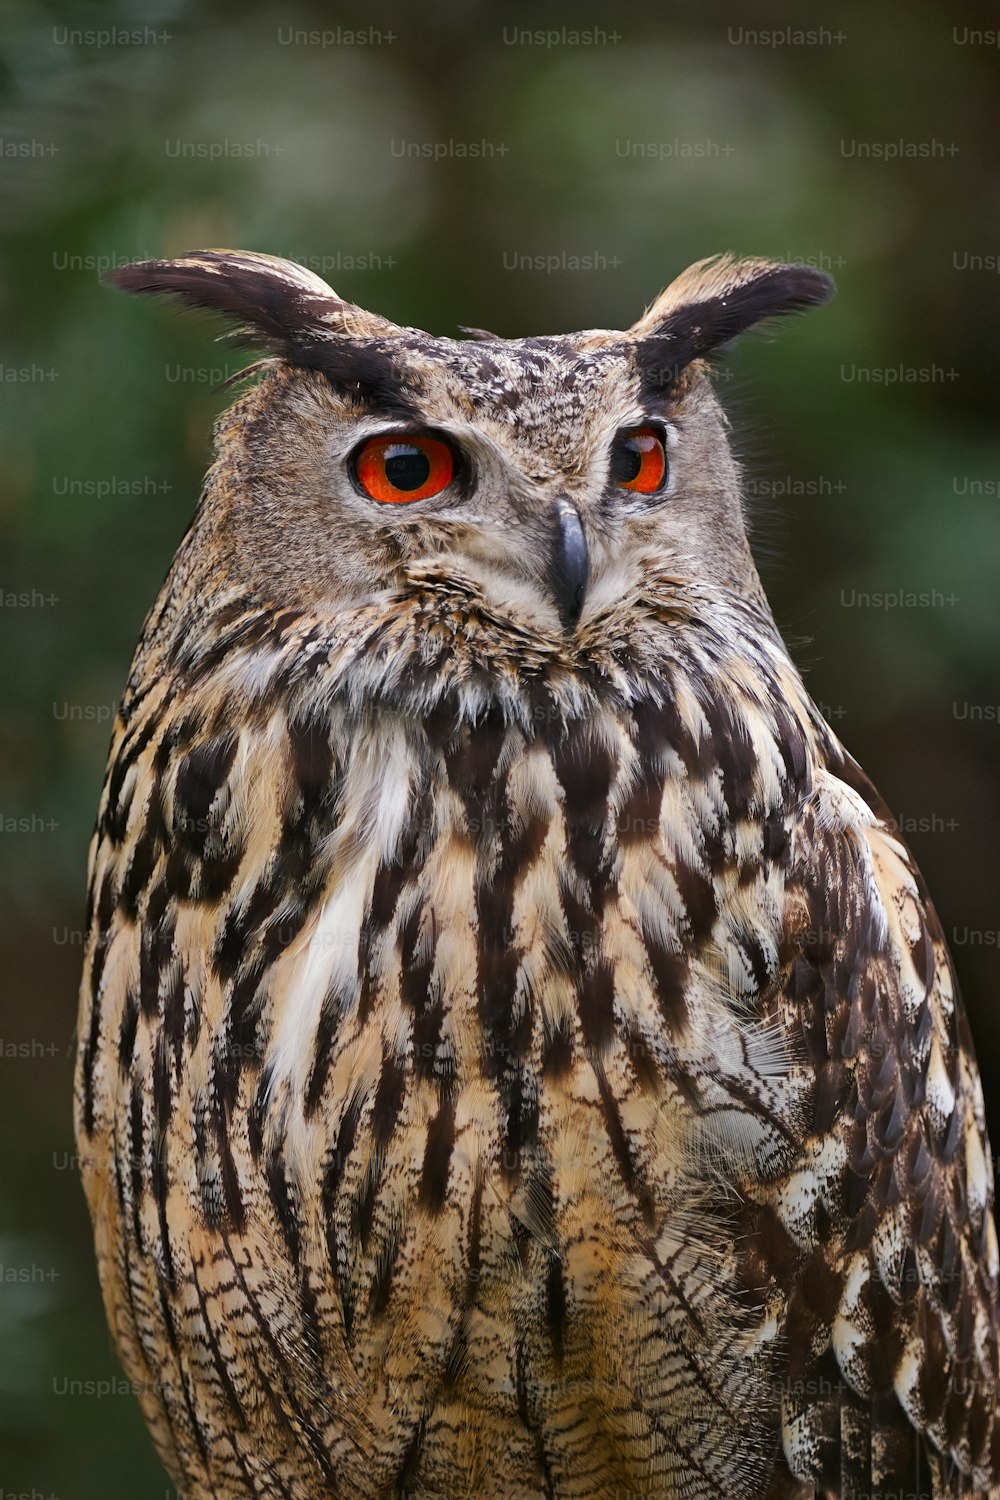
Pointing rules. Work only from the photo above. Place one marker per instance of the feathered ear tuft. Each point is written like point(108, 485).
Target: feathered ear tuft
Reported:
point(715, 301)
point(279, 306)
point(274, 304)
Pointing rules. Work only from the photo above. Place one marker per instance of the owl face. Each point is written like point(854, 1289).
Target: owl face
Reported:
point(540, 481)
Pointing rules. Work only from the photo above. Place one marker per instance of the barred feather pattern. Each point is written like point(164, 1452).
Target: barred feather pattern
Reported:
point(524, 1067)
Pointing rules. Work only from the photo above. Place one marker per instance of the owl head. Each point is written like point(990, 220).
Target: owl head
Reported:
point(556, 487)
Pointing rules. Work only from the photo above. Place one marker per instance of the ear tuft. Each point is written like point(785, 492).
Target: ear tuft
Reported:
point(713, 302)
point(275, 304)
point(480, 335)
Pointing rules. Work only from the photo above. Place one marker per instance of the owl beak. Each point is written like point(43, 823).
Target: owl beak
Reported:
point(569, 565)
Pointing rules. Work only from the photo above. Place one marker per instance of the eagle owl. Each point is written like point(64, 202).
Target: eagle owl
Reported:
point(517, 1054)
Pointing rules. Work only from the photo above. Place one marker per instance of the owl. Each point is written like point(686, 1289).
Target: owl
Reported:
point(518, 1056)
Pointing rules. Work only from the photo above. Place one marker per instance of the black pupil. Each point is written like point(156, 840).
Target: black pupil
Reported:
point(627, 461)
point(409, 469)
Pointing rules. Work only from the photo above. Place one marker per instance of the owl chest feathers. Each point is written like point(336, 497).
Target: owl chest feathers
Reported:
point(531, 968)
point(490, 902)
point(463, 1022)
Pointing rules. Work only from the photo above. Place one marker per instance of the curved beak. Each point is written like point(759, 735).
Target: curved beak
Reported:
point(569, 564)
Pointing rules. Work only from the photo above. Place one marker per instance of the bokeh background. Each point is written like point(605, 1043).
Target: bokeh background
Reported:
point(452, 167)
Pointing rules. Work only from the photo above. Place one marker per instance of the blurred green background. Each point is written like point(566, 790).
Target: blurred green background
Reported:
point(427, 168)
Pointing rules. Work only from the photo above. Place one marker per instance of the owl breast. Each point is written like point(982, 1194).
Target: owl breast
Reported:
point(464, 1068)
point(512, 1059)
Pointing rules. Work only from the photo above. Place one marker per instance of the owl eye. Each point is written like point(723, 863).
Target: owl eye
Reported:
point(639, 460)
point(397, 469)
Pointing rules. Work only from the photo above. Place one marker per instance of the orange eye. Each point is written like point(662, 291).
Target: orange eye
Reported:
point(639, 460)
point(396, 469)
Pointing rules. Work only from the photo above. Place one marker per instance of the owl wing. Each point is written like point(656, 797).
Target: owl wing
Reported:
point(882, 1232)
